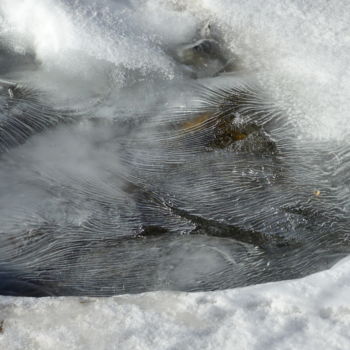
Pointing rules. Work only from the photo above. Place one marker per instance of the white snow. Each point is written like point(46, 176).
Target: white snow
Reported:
point(310, 313)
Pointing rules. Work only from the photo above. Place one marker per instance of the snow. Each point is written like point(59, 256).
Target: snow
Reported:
point(309, 313)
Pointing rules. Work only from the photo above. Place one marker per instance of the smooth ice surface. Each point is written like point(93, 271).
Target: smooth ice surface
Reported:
point(310, 313)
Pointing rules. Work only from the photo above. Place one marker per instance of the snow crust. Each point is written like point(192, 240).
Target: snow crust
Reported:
point(310, 313)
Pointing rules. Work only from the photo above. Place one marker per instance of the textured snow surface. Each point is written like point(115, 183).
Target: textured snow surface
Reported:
point(310, 313)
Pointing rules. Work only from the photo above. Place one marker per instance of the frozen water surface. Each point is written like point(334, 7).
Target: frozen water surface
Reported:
point(170, 146)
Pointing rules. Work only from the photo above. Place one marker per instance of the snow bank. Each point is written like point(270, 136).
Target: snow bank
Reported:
point(310, 313)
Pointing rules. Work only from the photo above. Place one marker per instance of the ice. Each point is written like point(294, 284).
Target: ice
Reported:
point(83, 42)
point(104, 145)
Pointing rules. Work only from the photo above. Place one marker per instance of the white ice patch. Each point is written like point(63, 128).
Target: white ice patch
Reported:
point(299, 51)
point(100, 44)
